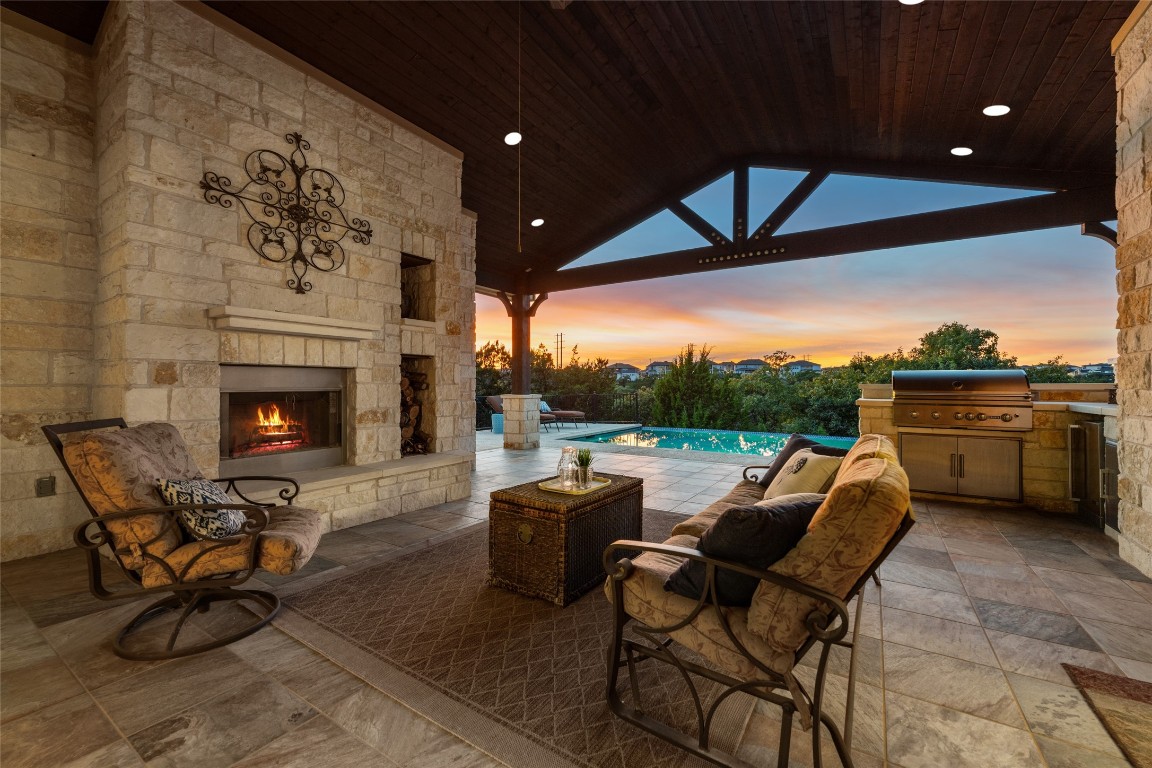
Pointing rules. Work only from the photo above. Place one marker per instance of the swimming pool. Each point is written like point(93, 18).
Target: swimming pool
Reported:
point(716, 441)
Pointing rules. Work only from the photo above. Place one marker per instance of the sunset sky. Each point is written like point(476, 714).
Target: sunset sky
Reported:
point(1046, 293)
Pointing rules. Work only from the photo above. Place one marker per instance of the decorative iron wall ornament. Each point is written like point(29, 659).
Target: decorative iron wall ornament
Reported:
point(295, 210)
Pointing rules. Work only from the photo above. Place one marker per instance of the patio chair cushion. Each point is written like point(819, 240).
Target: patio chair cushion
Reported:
point(849, 530)
point(805, 472)
point(646, 600)
point(118, 471)
point(203, 523)
point(283, 547)
point(868, 447)
point(796, 442)
point(746, 492)
point(755, 536)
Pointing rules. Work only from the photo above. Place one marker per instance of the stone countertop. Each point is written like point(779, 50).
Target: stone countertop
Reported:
point(1097, 409)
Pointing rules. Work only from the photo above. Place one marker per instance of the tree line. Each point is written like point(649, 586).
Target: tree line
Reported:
point(773, 399)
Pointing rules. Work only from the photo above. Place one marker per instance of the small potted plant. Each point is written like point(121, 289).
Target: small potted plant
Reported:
point(584, 462)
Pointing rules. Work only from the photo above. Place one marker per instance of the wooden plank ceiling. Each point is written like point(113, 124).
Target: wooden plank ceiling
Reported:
point(627, 107)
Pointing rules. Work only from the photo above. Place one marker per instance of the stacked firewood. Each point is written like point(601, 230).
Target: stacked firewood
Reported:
point(412, 440)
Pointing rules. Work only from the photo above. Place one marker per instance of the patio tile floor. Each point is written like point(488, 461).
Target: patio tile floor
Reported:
point(960, 657)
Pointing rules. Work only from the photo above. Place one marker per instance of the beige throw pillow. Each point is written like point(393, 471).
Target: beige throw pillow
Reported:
point(805, 472)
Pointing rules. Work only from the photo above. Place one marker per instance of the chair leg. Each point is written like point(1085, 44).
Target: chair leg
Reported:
point(267, 605)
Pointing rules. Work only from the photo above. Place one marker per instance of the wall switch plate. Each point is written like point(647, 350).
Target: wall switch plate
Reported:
point(46, 486)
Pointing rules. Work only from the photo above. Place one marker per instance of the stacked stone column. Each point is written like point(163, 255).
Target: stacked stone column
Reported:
point(1133, 50)
point(521, 421)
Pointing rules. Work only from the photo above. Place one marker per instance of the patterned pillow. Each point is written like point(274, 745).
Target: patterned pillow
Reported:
point(805, 472)
point(203, 523)
point(795, 443)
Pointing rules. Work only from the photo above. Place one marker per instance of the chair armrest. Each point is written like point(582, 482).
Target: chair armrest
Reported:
point(93, 534)
point(754, 478)
point(818, 623)
point(287, 494)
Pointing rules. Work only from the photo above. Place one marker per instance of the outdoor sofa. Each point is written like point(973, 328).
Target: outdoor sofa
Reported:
point(751, 641)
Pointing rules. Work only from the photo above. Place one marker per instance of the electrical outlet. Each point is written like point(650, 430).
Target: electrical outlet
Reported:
point(46, 486)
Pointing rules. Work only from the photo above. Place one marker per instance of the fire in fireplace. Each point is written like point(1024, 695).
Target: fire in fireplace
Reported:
point(268, 427)
point(263, 423)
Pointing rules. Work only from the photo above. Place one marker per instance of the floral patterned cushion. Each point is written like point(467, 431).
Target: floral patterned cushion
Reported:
point(862, 512)
point(283, 547)
point(203, 523)
point(872, 446)
point(646, 600)
point(117, 471)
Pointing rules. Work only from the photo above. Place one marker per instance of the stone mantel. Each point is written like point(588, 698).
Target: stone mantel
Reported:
point(233, 318)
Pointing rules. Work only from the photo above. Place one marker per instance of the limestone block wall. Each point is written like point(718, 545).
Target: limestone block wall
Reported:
point(137, 259)
point(1133, 51)
point(47, 271)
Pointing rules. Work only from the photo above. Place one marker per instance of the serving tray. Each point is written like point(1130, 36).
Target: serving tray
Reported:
point(553, 485)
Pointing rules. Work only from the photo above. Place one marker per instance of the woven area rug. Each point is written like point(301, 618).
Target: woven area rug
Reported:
point(518, 677)
point(1124, 706)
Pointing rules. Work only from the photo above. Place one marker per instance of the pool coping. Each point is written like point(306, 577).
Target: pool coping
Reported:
point(737, 459)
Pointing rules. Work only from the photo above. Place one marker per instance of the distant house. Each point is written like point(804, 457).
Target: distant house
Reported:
point(1105, 368)
point(625, 371)
point(751, 365)
point(797, 366)
point(658, 369)
point(726, 367)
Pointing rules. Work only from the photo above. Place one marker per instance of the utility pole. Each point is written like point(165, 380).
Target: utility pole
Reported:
point(560, 350)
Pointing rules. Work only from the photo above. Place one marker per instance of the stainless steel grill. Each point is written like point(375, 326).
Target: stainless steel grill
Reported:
point(998, 400)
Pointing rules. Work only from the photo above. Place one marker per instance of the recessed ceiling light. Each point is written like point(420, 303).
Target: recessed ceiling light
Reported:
point(911, 2)
point(537, 222)
point(512, 139)
point(996, 110)
point(961, 151)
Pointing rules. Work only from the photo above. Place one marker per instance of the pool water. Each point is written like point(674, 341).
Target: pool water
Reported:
point(716, 441)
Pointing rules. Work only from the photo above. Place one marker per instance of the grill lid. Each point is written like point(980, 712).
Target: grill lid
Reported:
point(1009, 384)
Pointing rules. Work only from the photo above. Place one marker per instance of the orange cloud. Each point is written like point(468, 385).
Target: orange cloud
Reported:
point(1045, 296)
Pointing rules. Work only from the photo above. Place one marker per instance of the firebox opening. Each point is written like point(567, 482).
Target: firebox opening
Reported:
point(264, 423)
point(280, 419)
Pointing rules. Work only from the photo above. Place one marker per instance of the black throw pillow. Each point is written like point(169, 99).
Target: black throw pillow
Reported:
point(796, 442)
point(756, 536)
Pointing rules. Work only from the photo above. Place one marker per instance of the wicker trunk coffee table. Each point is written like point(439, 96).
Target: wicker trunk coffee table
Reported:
point(547, 544)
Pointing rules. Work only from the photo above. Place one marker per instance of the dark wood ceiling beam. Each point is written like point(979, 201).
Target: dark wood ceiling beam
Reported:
point(1032, 213)
point(740, 223)
point(789, 204)
point(959, 172)
point(698, 223)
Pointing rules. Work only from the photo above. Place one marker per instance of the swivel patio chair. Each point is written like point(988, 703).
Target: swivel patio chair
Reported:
point(196, 550)
point(800, 604)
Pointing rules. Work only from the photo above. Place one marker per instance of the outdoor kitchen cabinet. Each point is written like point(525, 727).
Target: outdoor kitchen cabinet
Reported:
point(986, 467)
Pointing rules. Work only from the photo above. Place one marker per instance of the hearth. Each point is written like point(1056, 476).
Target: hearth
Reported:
point(276, 419)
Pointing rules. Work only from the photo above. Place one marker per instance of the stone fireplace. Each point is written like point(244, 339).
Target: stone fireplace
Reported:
point(154, 307)
point(278, 420)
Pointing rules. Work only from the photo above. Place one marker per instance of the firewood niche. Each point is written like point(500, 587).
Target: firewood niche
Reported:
point(413, 386)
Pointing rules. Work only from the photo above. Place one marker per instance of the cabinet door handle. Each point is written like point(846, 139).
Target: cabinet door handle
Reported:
point(952, 465)
point(961, 463)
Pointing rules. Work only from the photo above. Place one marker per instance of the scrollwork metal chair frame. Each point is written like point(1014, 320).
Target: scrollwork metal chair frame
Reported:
point(187, 596)
point(826, 629)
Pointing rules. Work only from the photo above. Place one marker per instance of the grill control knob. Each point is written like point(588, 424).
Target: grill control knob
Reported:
point(1007, 417)
point(935, 414)
point(969, 416)
point(958, 416)
point(981, 417)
